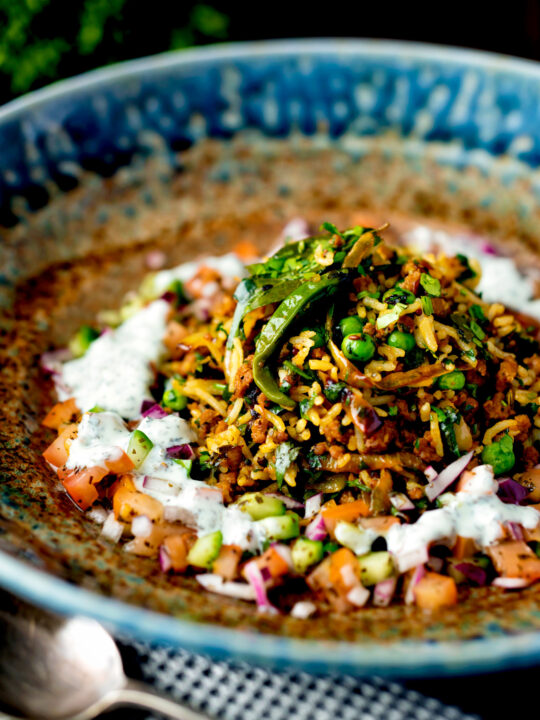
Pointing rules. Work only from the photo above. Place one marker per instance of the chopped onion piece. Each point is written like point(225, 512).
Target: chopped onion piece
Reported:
point(316, 530)
point(313, 505)
point(401, 502)
point(511, 583)
point(164, 559)
point(384, 592)
point(141, 526)
point(112, 529)
point(515, 530)
point(153, 484)
point(512, 492)
point(474, 573)
point(289, 502)
point(180, 452)
point(430, 473)
point(358, 596)
point(155, 411)
point(417, 575)
point(97, 515)
point(216, 584)
point(255, 579)
point(410, 559)
point(447, 476)
point(303, 610)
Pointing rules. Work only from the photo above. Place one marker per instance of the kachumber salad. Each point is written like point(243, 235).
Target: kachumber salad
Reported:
point(345, 418)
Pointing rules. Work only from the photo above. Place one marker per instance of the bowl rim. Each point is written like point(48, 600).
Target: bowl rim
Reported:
point(394, 659)
point(373, 47)
point(402, 659)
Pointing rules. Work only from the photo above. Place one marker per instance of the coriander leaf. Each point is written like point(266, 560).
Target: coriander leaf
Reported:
point(286, 454)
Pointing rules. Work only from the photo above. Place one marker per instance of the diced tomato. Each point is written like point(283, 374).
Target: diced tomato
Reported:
point(227, 561)
point(120, 465)
point(177, 549)
point(348, 512)
point(344, 570)
point(80, 485)
point(272, 564)
point(128, 504)
point(515, 559)
point(61, 414)
point(245, 250)
point(464, 547)
point(58, 451)
point(435, 591)
point(149, 546)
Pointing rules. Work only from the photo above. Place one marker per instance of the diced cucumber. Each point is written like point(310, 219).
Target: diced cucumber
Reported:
point(306, 553)
point(261, 506)
point(186, 464)
point(173, 397)
point(139, 447)
point(353, 537)
point(282, 527)
point(82, 340)
point(375, 567)
point(205, 550)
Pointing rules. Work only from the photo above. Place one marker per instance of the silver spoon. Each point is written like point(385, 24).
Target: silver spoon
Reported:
point(54, 669)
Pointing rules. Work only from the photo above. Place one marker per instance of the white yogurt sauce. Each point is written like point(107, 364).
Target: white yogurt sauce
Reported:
point(501, 280)
point(102, 436)
point(229, 266)
point(115, 371)
point(475, 513)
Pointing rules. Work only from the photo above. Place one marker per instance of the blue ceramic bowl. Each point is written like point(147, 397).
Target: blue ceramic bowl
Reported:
point(472, 120)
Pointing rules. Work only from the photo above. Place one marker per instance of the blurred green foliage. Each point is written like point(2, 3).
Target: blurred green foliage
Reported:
point(44, 40)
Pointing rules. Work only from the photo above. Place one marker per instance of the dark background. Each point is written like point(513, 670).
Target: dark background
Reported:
point(46, 40)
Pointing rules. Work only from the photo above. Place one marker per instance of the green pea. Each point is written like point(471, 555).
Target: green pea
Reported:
point(403, 340)
point(358, 347)
point(172, 397)
point(500, 455)
point(398, 295)
point(351, 325)
point(452, 381)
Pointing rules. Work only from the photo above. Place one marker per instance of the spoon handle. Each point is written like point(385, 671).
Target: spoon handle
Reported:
point(144, 696)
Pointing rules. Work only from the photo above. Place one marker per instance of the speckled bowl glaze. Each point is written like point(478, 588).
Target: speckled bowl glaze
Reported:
point(186, 152)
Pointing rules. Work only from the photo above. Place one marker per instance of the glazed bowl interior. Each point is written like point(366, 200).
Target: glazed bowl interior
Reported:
point(188, 153)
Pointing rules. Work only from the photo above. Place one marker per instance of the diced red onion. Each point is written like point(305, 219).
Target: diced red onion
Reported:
point(155, 412)
point(289, 502)
point(348, 575)
point(155, 259)
point(417, 575)
point(474, 573)
point(255, 579)
point(364, 416)
point(52, 361)
point(201, 309)
point(511, 583)
point(169, 296)
point(164, 559)
point(488, 249)
point(411, 559)
point(112, 529)
point(266, 574)
point(511, 492)
point(180, 452)
point(141, 526)
point(430, 473)
point(216, 584)
point(384, 592)
point(303, 609)
point(435, 563)
point(313, 505)
point(447, 476)
point(97, 515)
point(358, 596)
point(159, 485)
point(285, 552)
point(316, 530)
point(401, 502)
point(515, 530)
point(146, 405)
point(295, 229)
